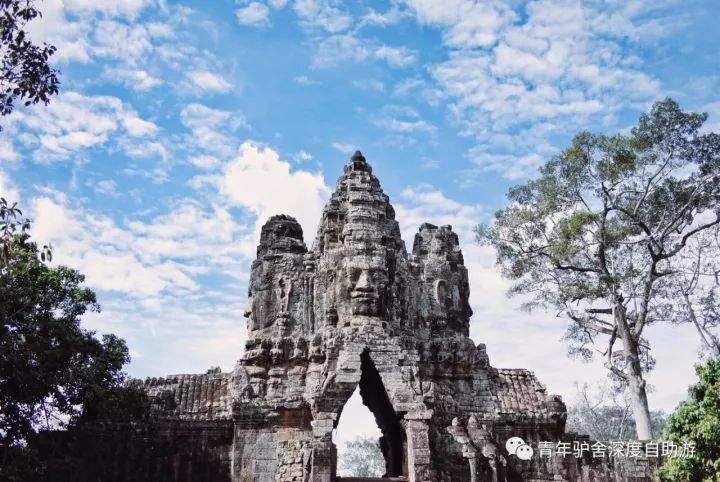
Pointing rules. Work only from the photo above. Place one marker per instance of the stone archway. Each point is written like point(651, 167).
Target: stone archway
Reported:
point(374, 396)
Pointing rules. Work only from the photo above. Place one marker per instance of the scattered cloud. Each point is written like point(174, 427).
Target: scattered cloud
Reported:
point(465, 23)
point(8, 189)
point(348, 47)
point(384, 19)
point(204, 161)
point(302, 156)
point(135, 79)
point(395, 56)
point(73, 122)
point(369, 85)
point(258, 180)
point(128, 43)
point(405, 126)
point(551, 66)
point(305, 80)
point(254, 14)
point(322, 14)
point(403, 120)
point(108, 187)
point(211, 129)
point(429, 164)
point(111, 8)
point(344, 147)
point(206, 81)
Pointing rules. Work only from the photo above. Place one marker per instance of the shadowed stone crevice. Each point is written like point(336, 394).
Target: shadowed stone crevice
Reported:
point(374, 396)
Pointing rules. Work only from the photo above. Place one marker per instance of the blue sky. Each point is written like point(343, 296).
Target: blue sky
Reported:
point(181, 126)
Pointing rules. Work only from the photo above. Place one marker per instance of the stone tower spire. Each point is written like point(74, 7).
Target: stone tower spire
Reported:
point(359, 214)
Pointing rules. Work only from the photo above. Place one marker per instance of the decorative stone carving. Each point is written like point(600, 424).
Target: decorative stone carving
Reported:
point(358, 310)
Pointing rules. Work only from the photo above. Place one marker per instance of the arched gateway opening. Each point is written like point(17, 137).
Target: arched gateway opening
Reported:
point(392, 441)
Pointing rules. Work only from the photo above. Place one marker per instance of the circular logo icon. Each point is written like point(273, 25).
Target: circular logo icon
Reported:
point(524, 452)
point(513, 443)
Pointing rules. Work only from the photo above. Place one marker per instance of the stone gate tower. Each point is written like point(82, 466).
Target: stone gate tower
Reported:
point(354, 310)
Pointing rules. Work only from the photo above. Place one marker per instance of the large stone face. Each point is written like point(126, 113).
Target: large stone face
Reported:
point(358, 309)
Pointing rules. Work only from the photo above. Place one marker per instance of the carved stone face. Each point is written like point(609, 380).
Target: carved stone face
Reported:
point(366, 279)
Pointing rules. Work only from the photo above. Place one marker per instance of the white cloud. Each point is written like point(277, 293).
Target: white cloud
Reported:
point(148, 278)
point(305, 80)
point(135, 79)
point(344, 147)
point(204, 161)
point(128, 43)
point(73, 122)
point(211, 128)
point(403, 120)
point(254, 14)
point(369, 84)
point(465, 23)
point(258, 180)
point(425, 203)
point(322, 14)
point(110, 8)
point(405, 126)
point(384, 19)
point(107, 187)
point(302, 156)
point(396, 56)
point(8, 189)
point(140, 259)
point(207, 81)
point(340, 48)
point(70, 37)
point(550, 66)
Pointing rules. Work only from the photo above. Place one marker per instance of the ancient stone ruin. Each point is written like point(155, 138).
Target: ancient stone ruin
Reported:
point(356, 309)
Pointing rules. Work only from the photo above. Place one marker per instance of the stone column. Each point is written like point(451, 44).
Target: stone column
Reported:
point(418, 447)
point(324, 453)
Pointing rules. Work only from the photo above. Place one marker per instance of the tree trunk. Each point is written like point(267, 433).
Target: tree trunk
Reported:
point(634, 374)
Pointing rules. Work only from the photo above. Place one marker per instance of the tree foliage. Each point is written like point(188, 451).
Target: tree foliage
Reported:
point(25, 72)
point(697, 419)
point(597, 235)
point(48, 363)
point(361, 458)
point(53, 373)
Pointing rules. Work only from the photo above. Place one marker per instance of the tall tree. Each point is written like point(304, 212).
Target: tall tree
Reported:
point(596, 235)
point(697, 421)
point(25, 72)
point(51, 369)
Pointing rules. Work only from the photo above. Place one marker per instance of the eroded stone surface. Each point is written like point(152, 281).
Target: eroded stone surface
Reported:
point(357, 308)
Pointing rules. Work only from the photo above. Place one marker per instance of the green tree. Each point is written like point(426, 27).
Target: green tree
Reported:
point(361, 458)
point(697, 420)
point(25, 72)
point(596, 236)
point(51, 369)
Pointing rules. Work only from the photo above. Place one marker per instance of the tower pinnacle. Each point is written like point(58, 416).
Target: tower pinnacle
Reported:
point(358, 163)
